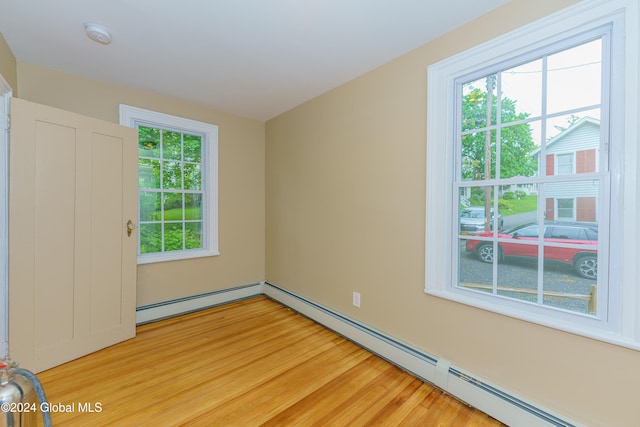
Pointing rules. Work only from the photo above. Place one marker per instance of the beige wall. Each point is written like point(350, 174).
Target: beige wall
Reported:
point(8, 68)
point(241, 181)
point(345, 209)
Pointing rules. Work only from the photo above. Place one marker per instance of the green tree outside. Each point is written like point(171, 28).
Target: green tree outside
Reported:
point(516, 142)
point(170, 196)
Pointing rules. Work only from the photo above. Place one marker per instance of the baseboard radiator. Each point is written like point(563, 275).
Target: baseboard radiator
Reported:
point(498, 403)
point(166, 309)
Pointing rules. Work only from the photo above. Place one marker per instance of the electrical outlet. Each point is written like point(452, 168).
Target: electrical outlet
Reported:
point(356, 299)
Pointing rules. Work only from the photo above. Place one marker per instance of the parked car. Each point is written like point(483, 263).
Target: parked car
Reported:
point(584, 261)
point(472, 219)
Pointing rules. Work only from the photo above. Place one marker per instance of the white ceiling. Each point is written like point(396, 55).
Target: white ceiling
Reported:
point(255, 58)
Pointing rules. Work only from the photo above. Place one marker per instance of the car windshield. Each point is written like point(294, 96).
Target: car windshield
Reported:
point(517, 229)
point(472, 213)
point(531, 230)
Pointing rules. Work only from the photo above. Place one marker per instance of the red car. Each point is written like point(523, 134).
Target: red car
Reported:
point(584, 261)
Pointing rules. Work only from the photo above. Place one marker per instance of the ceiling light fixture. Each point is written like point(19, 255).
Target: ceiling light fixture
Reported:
point(98, 33)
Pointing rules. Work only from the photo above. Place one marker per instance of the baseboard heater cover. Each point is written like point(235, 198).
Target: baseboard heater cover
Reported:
point(166, 309)
point(498, 403)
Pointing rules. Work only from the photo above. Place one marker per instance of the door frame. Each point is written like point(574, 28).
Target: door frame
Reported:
point(5, 100)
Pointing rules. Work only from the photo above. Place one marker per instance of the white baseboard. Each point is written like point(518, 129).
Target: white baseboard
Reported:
point(492, 400)
point(153, 312)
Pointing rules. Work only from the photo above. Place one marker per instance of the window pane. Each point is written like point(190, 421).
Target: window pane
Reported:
point(173, 207)
point(193, 235)
point(475, 103)
point(522, 91)
point(574, 77)
point(148, 173)
point(536, 135)
point(173, 237)
point(192, 177)
point(148, 142)
point(150, 238)
point(516, 147)
point(570, 273)
point(192, 148)
point(193, 206)
point(150, 206)
point(572, 122)
point(476, 210)
point(172, 175)
point(580, 198)
point(478, 160)
point(518, 271)
point(472, 272)
point(171, 145)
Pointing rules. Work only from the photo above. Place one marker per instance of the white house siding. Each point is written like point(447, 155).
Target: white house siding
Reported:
point(584, 137)
point(561, 190)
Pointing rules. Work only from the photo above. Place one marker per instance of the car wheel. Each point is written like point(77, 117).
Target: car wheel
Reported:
point(587, 266)
point(485, 252)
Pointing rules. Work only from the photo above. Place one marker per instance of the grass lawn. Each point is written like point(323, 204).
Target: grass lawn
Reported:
point(526, 204)
point(176, 214)
point(516, 206)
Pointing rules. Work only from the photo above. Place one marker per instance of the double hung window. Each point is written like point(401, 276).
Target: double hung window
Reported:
point(512, 119)
point(532, 126)
point(177, 201)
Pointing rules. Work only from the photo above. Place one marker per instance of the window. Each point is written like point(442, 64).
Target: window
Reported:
point(177, 185)
point(511, 116)
point(565, 209)
point(565, 163)
point(544, 109)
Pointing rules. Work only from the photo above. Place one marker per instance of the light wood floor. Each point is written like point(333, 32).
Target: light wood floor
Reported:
point(249, 363)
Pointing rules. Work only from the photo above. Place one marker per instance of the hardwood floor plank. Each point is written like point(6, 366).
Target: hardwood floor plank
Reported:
point(248, 363)
point(398, 408)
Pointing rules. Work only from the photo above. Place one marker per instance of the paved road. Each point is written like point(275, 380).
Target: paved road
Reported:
point(523, 273)
point(511, 221)
point(518, 272)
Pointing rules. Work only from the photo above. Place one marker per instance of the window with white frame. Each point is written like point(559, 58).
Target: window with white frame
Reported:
point(564, 163)
point(499, 116)
point(565, 209)
point(177, 185)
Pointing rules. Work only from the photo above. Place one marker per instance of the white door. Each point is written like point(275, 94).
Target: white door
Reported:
point(72, 264)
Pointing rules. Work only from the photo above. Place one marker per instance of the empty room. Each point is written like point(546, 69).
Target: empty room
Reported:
point(315, 212)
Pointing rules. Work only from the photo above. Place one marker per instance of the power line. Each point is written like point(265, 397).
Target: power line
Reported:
point(553, 69)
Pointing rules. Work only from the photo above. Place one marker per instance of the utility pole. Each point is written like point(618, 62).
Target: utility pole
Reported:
point(487, 154)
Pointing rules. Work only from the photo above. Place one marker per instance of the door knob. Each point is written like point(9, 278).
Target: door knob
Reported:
point(130, 227)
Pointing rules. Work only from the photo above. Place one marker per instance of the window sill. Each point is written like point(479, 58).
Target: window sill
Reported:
point(176, 256)
point(591, 332)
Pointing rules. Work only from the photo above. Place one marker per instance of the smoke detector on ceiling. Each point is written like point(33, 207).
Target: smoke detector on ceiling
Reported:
point(98, 33)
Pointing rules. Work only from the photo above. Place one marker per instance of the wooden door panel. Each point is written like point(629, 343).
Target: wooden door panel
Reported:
point(107, 215)
point(53, 234)
point(73, 186)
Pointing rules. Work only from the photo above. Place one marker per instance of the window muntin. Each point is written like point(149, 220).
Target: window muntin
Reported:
point(177, 186)
point(515, 123)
